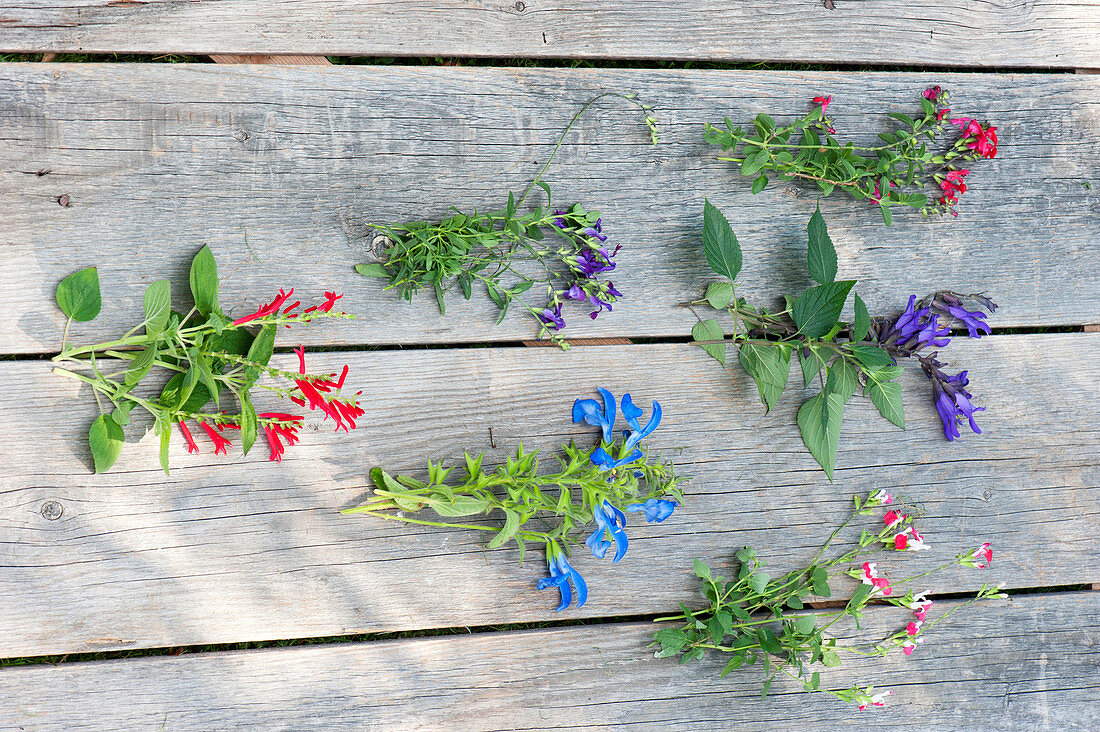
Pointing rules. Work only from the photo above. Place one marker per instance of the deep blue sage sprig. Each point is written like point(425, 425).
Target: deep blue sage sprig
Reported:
point(842, 357)
point(592, 486)
point(507, 252)
point(755, 619)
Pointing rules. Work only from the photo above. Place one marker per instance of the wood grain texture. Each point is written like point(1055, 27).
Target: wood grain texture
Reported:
point(227, 58)
point(280, 169)
point(232, 549)
point(1041, 33)
point(1029, 662)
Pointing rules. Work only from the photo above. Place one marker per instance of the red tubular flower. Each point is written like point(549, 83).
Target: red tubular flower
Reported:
point(269, 309)
point(327, 305)
point(220, 442)
point(824, 102)
point(941, 114)
point(985, 138)
point(191, 446)
point(276, 433)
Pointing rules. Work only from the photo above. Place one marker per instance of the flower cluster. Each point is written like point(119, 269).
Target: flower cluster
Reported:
point(756, 617)
point(504, 252)
point(895, 173)
point(593, 486)
point(209, 355)
point(918, 327)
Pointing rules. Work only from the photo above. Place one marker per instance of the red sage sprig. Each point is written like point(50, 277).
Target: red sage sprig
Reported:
point(209, 356)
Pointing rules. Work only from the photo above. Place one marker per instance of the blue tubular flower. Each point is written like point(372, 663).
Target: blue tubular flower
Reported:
point(951, 304)
point(974, 321)
point(953, 401)
point(590, 412)
point(637, 435)
point(560, 575)
point(932, 334)
point(656, 509)
point(612, 521)
point(606, 462)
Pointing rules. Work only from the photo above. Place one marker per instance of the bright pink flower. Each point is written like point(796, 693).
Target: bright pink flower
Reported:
point(877, 583)
point(913, 628)
point(880, 498)
point(270, 309)
point(893, 518)
point(920, 605)
point(191, 446)
point(276, 433)
point(985, 138)
point(980, 558)
point(326, 306)
point(941, 114)
point(824, 102)
point(220, 442)
point(878, 700)
point(909, 540)
point(932, 93)
point(910, 645)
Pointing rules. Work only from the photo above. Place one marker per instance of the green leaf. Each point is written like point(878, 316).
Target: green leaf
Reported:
point(817, 309)
point(158, 304)
point(859, 595)
point(820, 580)
point(249, 423)
point(805, 624)
point(886, 395)
point(141, 365)
point(259, 353)
point(770, 366)
point(819, 422)
point(702, 571)
point(165, 430)
point(184, 393)
point(887, 215)
point(820, 254)
point(439, 299)
point(811, 364)
point(874, 358)
point(842, 380)
point(105, 438)
point(862, 322)
point(710, 330)
point(794, 602)
point(760, 183)
point(121, 415)
point(78, 295)
point(720, 243)
point(372, 270)
point(460, 506)
point(204, 281)
point(511, 526)
point(719, 295)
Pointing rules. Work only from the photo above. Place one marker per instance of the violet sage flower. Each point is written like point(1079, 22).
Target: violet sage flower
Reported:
point(552, 317)
point(953, 401)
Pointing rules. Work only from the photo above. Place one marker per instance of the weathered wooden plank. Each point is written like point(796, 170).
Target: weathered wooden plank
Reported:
point(1045, 33)
point(157, 160)
point(234, 549)
point(1029, 662)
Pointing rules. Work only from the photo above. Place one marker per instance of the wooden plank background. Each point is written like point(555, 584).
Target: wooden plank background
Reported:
point(1039, 33)
point(980, 671)
point(158, 159)
point(240, 549)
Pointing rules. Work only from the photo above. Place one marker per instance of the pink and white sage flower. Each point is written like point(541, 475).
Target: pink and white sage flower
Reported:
point(880, 498)
point(913, 631)
point(893, 518)
point(878, 584)
point(911, 645)
point(872, 700)
point(909, 540)
point(920, 605)
point(979, 558)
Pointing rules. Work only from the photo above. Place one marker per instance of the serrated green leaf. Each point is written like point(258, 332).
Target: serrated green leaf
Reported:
point(819, 422)
point(158, 305)
point(372, 270)
point(862, 321)
point(719, 295)
point(720, 245)
point(820, 253)
point(511, 526)
point(78, 295)
point(768, 365)
point(710, 330)
point(805, 624)
point(886, 395)
point(204, 281)
point(702, 571)
point(817, 309)
point(105, 438)
point(872, 357)
point(842, 380)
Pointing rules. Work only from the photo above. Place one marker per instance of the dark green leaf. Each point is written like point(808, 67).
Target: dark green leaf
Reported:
point(820, 254)
point(819, 422)
point(760, 183)
point(872, 357)
point(820, 580)
point(141, 365)
point(105, 438)
point(817, 309)
point(887, 215)
point(859, 594)
point(842, 380)
point(886, 395)
point(720, 243)
point(372, 270)
point(464, 283)
point(862, 322)
point(158, 304)
point(770, 366)
point(259, 353)
point(78, 295)
point(204, 281)
point(794, 603)
point(710, 330)
point(249, 424)
point(811, 362)
point(439, 299)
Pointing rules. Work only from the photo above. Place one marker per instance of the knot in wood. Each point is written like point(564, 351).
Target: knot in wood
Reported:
point(242, 135)
point(52, 510)
point(520, 7)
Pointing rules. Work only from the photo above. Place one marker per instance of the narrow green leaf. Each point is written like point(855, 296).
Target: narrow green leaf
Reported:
point(141, 365)
point(439, 299)
point(719, 295)
point(820, 253)
point(158, 304)
point(861, 325)
point(710, 330)
point(372, 270)
point(817, 309)
point(78, 295)
point(204, 281)
point(511, 526)
point(105, 438)
point(770, 366)
point(720, 243)
point(249, 423)
point(819, 422)
point(886, 395)
point(165, 430)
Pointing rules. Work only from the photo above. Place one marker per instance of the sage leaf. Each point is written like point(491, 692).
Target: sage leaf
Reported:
point(820, 253)
point(105, 438)
point(78, 295)
point(720, 243)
